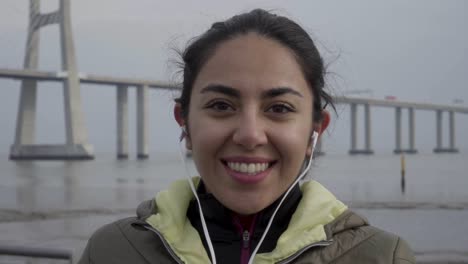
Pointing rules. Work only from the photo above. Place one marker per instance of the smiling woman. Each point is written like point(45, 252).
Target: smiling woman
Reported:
point(251, 110)
point(254, 99)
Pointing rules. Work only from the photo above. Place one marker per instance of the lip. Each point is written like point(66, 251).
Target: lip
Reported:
point(245, 178)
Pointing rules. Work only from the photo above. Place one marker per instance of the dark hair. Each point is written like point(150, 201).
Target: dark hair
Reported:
point(266, 24)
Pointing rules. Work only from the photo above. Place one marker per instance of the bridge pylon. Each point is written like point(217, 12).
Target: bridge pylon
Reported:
point(367, 150)
point(76, 146)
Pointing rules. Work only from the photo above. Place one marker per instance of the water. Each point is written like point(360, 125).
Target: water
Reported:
point(59, 204)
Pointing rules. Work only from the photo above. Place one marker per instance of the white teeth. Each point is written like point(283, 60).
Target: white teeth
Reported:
point(258, 167)
point(243, 167)
point(249, 168)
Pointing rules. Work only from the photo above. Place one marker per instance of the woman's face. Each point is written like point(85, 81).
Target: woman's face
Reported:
point(249, 122)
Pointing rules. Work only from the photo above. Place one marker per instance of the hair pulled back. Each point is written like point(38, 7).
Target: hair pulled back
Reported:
point(266, 24)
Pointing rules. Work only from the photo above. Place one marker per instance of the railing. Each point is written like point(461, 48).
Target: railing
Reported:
point(36, 252)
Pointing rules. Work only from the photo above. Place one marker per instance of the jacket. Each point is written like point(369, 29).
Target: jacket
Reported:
point(321, 230)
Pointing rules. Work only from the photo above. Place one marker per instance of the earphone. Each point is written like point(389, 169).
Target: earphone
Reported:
point(313, 138)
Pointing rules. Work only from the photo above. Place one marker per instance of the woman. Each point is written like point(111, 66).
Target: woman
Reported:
point(250, 111)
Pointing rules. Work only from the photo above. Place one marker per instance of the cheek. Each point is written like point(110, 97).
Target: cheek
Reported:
point(292, 145)
point(207, 136)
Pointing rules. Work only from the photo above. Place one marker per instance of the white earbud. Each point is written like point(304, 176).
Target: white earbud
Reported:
point(314, 139)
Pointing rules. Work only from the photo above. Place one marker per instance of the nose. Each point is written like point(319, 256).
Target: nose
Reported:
point(250, 131)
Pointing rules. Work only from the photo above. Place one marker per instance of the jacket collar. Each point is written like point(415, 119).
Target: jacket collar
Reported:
point(226, 229)
point(317, 208)
point(222, 218)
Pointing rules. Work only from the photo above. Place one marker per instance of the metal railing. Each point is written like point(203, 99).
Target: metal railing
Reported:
point(36, 252)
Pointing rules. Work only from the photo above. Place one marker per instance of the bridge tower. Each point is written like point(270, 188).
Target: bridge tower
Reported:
point(76, 146)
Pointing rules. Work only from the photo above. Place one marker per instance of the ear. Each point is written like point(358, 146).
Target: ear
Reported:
point(181, 121)
point(320, 127)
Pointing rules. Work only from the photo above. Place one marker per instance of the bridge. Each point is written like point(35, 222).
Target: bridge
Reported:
point(398, 106)
point(76, 145)
point(123, 84)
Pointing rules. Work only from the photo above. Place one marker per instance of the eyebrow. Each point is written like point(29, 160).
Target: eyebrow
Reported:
point(219, 88)
point(229, 91)
point(280, 91)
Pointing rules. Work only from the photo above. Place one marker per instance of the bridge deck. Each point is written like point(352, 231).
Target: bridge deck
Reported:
point(114, 81)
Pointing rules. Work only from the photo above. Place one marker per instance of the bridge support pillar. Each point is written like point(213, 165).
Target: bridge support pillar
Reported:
point(122, 122)
point(439, 146)
point(367, 123)
point(76, 146)
point(412, 149)
point(142, 122)
point(438, 131)
point(398, 139)
point(397, 130)
point(353, 128)
point(367, 134)
point(452, 129)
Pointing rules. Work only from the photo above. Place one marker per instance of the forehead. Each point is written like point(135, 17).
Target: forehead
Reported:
point(252, 63)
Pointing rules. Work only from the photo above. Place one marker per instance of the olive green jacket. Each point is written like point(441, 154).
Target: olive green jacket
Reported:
point(322, 230)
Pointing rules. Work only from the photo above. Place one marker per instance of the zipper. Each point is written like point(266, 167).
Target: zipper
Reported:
point(322, 243)
point(166, 245)
point(245, 239)
point(245, 250)
point(245, 245)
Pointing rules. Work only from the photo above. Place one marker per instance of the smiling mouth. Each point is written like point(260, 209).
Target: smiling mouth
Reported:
point(248, 168)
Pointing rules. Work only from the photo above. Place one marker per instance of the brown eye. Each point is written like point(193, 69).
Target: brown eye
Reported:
point(220, 106)
point(280, 109)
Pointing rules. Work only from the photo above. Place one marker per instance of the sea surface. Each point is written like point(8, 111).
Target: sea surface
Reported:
point(58, 204)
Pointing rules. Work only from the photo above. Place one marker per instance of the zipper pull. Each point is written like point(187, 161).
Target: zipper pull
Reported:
point(245, 239)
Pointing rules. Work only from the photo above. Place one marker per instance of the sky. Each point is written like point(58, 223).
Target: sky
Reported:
point(413, 50)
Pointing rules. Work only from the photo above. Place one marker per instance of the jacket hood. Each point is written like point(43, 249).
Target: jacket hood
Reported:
point(318, 216)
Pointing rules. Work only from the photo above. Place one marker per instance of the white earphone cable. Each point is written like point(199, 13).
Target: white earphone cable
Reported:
point(194, 191)
point(205, 228)
point(314, 142)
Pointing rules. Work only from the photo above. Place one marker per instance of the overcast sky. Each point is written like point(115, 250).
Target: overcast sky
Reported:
point(414, 50)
